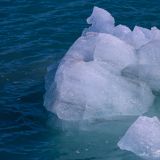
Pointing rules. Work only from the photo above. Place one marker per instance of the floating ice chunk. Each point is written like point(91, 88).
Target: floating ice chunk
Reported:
point(114, 51)
point(88, 84)
point(150, 53)
point(143, 138)
point(101, 21)
point(147, 73)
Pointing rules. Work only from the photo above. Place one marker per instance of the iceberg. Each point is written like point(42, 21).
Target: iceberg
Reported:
point(143, 138)
point(109, 72)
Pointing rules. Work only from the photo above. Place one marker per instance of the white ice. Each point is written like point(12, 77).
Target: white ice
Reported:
point(110, 71)
point(143, 138)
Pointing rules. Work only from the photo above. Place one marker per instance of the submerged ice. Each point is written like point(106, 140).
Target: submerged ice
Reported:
point(110, 71)
point(143, 138)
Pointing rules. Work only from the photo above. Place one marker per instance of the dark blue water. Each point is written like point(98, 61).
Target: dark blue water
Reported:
point(33, 35)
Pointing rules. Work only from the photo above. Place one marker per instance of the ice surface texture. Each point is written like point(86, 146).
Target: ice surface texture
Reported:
point(143, 138)
point(110, 71)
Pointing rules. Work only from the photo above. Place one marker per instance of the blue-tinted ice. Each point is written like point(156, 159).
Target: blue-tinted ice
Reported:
point(110, 72)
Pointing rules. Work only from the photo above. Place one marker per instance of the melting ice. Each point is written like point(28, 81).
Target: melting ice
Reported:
point(143, 138)
point(110, 72)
